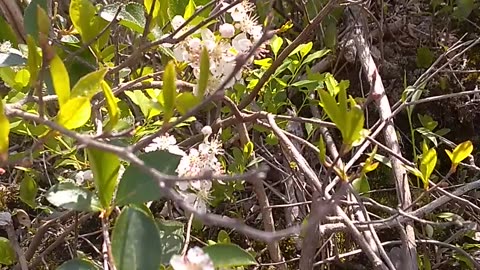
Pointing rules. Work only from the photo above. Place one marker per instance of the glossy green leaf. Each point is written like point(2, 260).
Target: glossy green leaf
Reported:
point(145, 104)
point(11, 59)
point(4, 133)
point(70, 196)
point(60, 79)
point(427, 165)
point(169, 91)
point(361, 185)
point(171, 238)
point(138, 187)
point(7, 254)
point(77, 264)
point(204, 73)
point(332, 85)
point(75, 113)
point(135, 241)
point(132, 15)
point(185, 102)
point(28, 190)
point(22, 78)
point(31, 18)
point(229, 255)
point(89, 85)
point(105, 168)
point(113, 111)
point(461, 152)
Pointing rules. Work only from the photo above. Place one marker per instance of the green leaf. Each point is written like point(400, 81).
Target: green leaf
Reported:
point(169, 91)
point(323, 150)
point(186, 101)
point(28, 190)
point(105, 168)
point(4, 133)
point(132, 15)
point(189, 10)
point(113, 112)
point(223, 237)
point(7, 34)
point(11, 59)
point(82, 14)
point(461, 152)
point(33, 61)
point(306, 49)
point(424, 57)
point(427, 165)
point(361, 185)
point(414, 171)
point(204, 73)
point(72, 197)
point(138, 187)
point(316, 55)
point(229, 255)
point(330, 106)
point(136, 241)
point(60, 79)
point(302, 48)
point(75, 113)
point(331, 35)
point(43, 21)
point(7, 254)
point(31, 18)
point(275, 44)
point(89, 85)
point(171, 238)
point(332, 85)
point(22, 78)
point(77, 264)
point(463, 9)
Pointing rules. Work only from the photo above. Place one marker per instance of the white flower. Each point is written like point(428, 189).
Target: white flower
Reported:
point(241, 43)
point(82, 176)
point(177, 21)
point(207, 130)
point(197, 201)
point(195, 259)
point(227, 30)
point(166, 142)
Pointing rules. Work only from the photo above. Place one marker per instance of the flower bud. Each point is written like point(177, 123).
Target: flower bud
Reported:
point(226, 30)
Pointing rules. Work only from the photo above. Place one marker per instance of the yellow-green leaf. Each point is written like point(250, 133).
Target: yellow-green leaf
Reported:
point(33, 61)
point(414, 171)
point(105, 168)
point(43, 21)
point(4, 132)
point(323, 150)
point(112, 107)
point(75, 113)
point(89, 84)
point(204, 73)
point(169, 91)
point(427, 165)
point(82, 13)
point(189, 10)
point(461, 152)
point(60, 80)
point(186, 101)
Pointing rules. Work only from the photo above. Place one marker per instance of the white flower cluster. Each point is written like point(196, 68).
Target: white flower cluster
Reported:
point(198, 161)
point(195, 259)
point(165, 142)
point(232, 39)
